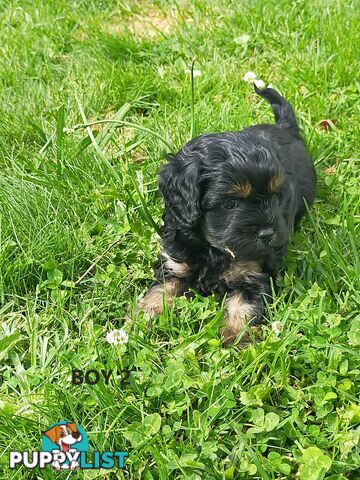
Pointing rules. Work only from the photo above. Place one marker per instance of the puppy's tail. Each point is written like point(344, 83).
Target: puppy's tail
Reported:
point(283, 111)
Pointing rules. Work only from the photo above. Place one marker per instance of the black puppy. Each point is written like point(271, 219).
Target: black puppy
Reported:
point(231, 202)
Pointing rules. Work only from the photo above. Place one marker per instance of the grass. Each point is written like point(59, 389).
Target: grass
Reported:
point(79, 210)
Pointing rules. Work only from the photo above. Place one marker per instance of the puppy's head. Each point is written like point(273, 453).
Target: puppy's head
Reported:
point(228, 192)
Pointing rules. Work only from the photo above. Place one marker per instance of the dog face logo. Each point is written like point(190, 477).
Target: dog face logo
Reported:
point(68, 440)
point(64, 435)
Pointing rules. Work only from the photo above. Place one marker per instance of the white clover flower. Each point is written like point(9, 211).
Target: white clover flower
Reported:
point(196, 73)
point(259, 83)
point(243, 39)
point(117, 337)
point(277, 327)
point(249, 77)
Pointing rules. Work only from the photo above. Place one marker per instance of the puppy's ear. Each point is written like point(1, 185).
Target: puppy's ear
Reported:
point(179, 185)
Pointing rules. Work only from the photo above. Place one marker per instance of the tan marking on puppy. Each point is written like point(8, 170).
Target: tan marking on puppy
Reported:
point(153, 301)
point(276, 183)
point(241, 270)
point(178, 269)
point(238, 313)
point(243, 189)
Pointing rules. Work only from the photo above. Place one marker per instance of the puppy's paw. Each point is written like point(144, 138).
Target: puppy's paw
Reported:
point(153, 301)
point(238, 314)
point(229, 336)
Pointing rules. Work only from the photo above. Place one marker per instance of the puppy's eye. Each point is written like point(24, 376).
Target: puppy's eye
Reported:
point(230, 204)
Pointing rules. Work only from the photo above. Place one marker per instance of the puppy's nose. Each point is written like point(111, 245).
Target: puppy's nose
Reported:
point(266, 233)
point(76, 434)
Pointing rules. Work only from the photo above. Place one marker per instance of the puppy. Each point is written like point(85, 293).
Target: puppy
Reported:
point(231, 202)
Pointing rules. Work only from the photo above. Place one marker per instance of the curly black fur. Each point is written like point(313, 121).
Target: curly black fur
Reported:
point(231, 202)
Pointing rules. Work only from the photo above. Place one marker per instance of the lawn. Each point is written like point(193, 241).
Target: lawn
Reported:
point(79, 210)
